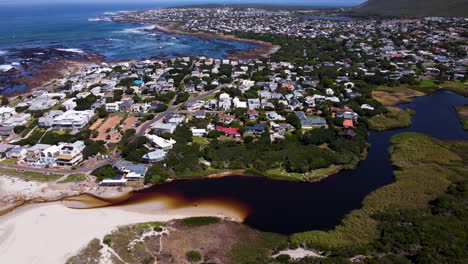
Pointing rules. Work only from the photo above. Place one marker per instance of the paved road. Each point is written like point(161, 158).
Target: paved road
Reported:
point(158, 117)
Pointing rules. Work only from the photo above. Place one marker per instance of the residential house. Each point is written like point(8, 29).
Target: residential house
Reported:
point(48, 118)
point(254, 103)
point(256, 129)
point(161, 128)
point(7, 130)
point(227, 119)
point(71, 153)
point(154, 156)
point(310, 122)
point(198, 132)
point(161, 143)
point(49, 155)
point(73, 120)
point(17, 153)
point(174, 118)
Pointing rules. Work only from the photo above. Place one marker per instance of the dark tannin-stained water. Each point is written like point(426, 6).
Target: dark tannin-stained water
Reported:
point(288, 207)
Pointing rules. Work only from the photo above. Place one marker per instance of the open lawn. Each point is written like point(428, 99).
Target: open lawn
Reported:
point(395, 118)
point(395, 95)
point(35, 176)
point(200, 140)
point(425, 170)
point(7, 161)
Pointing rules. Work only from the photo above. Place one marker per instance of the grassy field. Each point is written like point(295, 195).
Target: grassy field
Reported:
point(425, 170)
point(77, 177)
point(395, 118)
point(201, 140)
point(7, 161)
point(395, 95)
point(30, 175)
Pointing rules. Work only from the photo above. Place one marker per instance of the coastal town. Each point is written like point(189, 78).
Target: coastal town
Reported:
point(87, 118)
point(297, 106)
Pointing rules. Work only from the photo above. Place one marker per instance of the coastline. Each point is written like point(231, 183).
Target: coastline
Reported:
point(265, 48)
point(49, 72)
point(55, 223)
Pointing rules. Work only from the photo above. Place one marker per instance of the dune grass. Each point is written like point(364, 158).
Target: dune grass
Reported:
point(77, 177)
point(425, 168)
point(394, 118)
point(199, 221)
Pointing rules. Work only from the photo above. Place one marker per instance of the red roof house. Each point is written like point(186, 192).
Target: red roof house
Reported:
point(228, 130)
point(348, 123)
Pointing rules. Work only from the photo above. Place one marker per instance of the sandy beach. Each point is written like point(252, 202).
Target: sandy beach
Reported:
point(50, 233)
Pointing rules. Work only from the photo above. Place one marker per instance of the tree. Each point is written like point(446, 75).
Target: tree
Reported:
point(5, 100)
point(214, 134)
point(194, 256)
point(293, 120)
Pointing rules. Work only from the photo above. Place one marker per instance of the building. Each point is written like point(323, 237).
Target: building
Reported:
point(161, 128)
point(198, 132)
point(49, 155)
point(173, 118)
point(73, 120)
point(71, 154)
point(161, 143)
point(154, 156)
point(256, 129)
point(17, 153)
point(48, 118)
point(6, 130)
point(113, 107)
point(254, 103)
point(20, 119)
point(310, 122)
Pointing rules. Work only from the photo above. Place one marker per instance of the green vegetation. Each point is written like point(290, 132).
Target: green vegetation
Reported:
point(90, 254)
point(414, 8)
point(30, 175)
point(462, 112)
point(6, 161)
point(257, 249)
point(93, 147)
point(292, 158)
point(106, 171)
point(181, 97)
point(119, 240)
point(425, 170)
point(77, 177)
point(394, 118)
point(199, 221)
point(194, 256)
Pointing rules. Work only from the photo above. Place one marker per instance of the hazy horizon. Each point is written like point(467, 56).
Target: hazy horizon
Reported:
point(182, 2)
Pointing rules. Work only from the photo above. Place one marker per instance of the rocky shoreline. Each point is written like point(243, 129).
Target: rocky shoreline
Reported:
point(264, 49)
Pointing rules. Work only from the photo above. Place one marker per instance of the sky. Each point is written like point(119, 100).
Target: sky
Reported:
point(176, 2)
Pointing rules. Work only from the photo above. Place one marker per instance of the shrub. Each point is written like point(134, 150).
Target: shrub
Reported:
point(194, 256)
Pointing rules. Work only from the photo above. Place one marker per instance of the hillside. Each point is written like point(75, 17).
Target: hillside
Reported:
point(417, 8)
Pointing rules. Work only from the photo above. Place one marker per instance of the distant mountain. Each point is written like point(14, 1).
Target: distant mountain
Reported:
point(416, 8)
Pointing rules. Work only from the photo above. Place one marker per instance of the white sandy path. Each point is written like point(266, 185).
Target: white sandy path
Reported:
point(50, 233)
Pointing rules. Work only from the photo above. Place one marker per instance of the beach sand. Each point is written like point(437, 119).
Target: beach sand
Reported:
point(50, 233)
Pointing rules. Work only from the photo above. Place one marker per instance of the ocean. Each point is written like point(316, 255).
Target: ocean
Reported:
point(82, 27)
point(33, 35)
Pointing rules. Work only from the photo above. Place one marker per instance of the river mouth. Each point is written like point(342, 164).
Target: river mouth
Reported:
point(288, 207)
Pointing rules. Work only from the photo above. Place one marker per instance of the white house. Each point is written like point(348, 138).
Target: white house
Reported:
point(160, 142)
